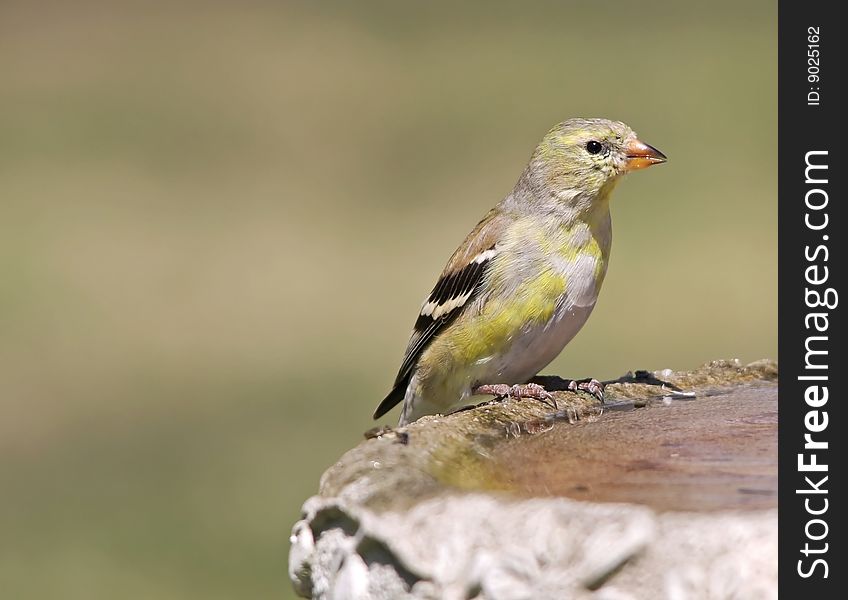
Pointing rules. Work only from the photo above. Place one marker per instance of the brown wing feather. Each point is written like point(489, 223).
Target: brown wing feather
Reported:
point(461, 277)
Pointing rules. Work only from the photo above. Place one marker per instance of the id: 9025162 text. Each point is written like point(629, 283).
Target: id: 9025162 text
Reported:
point(813, 66)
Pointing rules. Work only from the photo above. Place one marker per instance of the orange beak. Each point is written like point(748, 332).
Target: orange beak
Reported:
point(641, 155)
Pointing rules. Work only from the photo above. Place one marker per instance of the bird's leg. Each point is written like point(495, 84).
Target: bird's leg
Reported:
point(518, 391)
point(591, 385)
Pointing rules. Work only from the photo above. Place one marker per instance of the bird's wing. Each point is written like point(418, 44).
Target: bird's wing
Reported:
point(458, 285)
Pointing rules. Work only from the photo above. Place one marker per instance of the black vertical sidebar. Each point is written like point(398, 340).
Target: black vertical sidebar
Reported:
point(813, 433)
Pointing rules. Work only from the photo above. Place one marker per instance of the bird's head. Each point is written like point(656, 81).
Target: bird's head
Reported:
point(586, 156)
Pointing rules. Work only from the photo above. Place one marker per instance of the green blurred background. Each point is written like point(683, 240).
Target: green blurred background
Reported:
point(219, 219)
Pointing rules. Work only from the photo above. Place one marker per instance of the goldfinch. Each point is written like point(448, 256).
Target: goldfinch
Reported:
point(526, 278)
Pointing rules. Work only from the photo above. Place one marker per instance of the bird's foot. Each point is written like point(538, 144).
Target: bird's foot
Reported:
point(518, 391)
point(591, 385)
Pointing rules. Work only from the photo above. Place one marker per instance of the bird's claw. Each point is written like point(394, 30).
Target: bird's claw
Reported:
point(591, 385)
point(518, 391)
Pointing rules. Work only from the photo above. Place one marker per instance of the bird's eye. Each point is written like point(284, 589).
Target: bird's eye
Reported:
point(594, 147)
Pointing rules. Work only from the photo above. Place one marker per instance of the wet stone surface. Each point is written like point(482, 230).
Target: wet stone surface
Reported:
point(714, 451)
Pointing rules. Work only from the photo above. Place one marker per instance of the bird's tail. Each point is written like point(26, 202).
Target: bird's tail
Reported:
point(393, 398)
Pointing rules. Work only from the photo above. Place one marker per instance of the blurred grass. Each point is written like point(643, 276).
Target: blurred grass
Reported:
point(220, 218)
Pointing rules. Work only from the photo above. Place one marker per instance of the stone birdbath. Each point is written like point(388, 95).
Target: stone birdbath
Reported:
point(667, 491)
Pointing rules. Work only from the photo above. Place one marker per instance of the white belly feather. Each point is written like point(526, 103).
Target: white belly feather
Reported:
point(534, 347)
